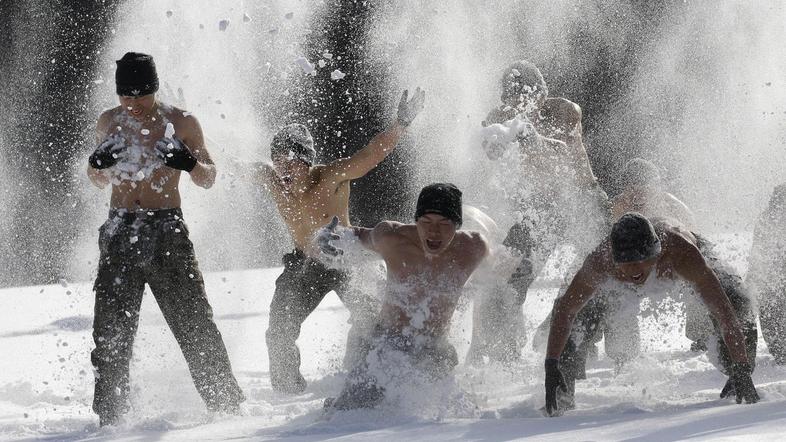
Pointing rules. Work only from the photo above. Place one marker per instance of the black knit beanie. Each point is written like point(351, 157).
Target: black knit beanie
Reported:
point(634, 239)
point(441, 199)
point(136, 75)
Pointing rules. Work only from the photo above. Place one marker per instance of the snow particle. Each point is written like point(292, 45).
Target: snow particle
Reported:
point(169, 13)
point(322, 63)
point(289, 15)
point(145, 132)
point(246, 18)
point(337, 75)
point(222, 25)
point(306, 65)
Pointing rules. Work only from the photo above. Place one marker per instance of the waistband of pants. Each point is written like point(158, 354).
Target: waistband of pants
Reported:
point(131, 215)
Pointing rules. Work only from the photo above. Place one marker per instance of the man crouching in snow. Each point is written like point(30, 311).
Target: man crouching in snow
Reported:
point(636, 255)
point(428, 264)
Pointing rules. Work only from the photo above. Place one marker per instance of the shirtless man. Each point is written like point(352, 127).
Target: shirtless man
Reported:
point(558, 189)
point(307, 197)
point(767, 273)
point(636, 254)
point(144, 146)
point(428, 264)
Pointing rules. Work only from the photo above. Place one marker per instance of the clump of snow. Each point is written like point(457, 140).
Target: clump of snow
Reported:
point(246, 18)
point(322, 63)
point(327, 55)
point(169, 13)
point(289, 15)
point(223, 24)
point(169, 132)
point(306, 65)
point(337, 75)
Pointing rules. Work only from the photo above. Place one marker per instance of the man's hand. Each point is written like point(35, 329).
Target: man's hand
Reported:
point(327, 234)
point(175, 154)
point(408, 110)
point(740, 384)
point(527, 135)
point(108, 152)
point(554, 380)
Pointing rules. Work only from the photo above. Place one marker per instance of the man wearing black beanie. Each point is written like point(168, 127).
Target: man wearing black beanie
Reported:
point(636, 251)
point(428, 263)
point(143, 148)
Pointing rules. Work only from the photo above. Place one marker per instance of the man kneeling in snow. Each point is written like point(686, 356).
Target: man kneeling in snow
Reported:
point(428, 264)
point(637, 254)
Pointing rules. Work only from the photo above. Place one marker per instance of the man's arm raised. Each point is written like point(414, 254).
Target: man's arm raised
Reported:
point(381, 145)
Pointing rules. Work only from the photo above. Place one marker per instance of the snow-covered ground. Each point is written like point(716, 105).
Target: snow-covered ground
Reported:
point(46, 380)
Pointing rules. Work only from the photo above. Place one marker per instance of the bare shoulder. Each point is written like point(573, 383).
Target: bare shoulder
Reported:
point(104, 122)
point(473, 242)
point(180, 118)
point(563, 107)
point(498, 116)
point(392, 233)
point(678, 245)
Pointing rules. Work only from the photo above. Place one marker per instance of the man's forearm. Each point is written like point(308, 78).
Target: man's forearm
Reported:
point(203, 174)
point(97, 177)
point(735, 341)
point(561, 323)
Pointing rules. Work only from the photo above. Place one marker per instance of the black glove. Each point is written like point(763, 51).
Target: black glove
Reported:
point(554, 380)
point(408, 110)
point(107, 153)
point(740, 384)
point(175, 154)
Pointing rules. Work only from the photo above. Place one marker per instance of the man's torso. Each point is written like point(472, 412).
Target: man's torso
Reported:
point(140, 179)
point(308, 207)
point(422, 293)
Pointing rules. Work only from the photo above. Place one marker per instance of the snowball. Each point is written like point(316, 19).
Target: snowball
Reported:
point(306, 65)
point(222, 24)
point(337, 75)
point(170, 130)
point(145, 132)
point(322, 63)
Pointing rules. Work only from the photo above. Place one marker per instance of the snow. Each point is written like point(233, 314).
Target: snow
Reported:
point(337, 75)
point(223, 24)
point(668, 393)
point(306, 65)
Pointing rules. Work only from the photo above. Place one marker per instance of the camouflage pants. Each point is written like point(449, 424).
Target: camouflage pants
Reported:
point(153, 247)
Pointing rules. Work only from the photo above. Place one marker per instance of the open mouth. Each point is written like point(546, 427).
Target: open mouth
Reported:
point(433, 244)
point(637, 277)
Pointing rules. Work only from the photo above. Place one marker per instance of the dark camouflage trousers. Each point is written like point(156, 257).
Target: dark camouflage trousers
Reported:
point(152, 247)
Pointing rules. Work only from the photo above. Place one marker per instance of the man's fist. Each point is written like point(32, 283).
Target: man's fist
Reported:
point(175, 154)
point(108, 152)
